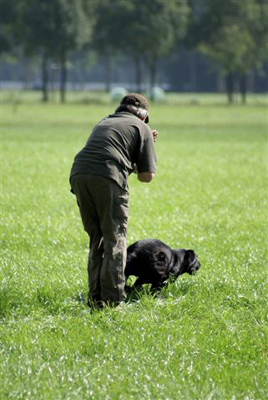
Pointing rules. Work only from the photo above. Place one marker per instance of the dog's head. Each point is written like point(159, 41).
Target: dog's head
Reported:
point(190, 263)
point(187, 262)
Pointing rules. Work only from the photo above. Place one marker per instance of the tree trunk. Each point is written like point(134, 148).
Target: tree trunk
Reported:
point(153, 68)
point(63, 77)
point(193, 72)
point(251, 81)
point(220, 84)
point(243, 87)
point(26, 73)
point(230, 87)
point(146, 77)
point(45, 77)
point(108, 71)
point(138, 73)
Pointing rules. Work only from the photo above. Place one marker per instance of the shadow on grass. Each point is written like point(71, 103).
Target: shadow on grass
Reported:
point(15, 302)
point(172, 289)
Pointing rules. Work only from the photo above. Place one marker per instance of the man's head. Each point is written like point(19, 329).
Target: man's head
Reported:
point(136, 104)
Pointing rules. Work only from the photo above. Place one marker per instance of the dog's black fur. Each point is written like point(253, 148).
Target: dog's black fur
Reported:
point(154, 262)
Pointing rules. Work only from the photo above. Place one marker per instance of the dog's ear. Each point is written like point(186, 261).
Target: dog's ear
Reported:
point(190, 255)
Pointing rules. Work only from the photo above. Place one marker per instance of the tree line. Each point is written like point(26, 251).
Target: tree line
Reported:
point(233, 34)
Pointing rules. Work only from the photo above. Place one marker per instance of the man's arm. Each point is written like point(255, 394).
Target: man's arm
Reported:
point(143, 176)
point(146, 176)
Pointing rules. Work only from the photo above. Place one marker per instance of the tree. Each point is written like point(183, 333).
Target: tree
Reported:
point(7, 16)
point(72, 28)
point(234, 35)
point(53, 29)
point(154, 29)
point(146, 30)
point(257, 49)
point(106, 36)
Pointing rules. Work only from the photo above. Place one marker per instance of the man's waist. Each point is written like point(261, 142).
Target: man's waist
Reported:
point(109, 169)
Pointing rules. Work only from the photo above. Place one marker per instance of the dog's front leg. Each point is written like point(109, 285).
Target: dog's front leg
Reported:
point(128, 289)
point(138, 283)
point(156, 287)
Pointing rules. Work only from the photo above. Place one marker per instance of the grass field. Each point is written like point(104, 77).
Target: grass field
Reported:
point(206, 337)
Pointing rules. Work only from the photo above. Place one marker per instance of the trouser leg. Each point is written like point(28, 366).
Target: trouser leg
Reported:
point(91, 222)
point(112, 272)
point(95, 257)
point(104, 211)
point(113, 219)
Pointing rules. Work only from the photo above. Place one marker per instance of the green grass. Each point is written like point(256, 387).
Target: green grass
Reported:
point(206, 338)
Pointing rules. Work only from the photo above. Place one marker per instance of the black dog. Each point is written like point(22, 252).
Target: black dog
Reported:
point(154, 262)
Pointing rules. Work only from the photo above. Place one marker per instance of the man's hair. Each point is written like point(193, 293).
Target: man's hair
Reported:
point(136, 104)
point(135, 99)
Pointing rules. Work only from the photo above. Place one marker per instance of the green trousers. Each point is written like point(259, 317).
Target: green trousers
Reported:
point(103, 207)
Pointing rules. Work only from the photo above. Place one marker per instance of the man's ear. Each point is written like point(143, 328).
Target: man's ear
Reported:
point(143, 114)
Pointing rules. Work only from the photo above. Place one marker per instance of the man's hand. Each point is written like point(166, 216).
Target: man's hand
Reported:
point(155, 134)
point(146, 177)
point(143, 176)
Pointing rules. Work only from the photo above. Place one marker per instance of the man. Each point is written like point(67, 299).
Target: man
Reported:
point(120, 144)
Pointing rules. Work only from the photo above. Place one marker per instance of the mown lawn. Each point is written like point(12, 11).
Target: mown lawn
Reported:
point(206, 337)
